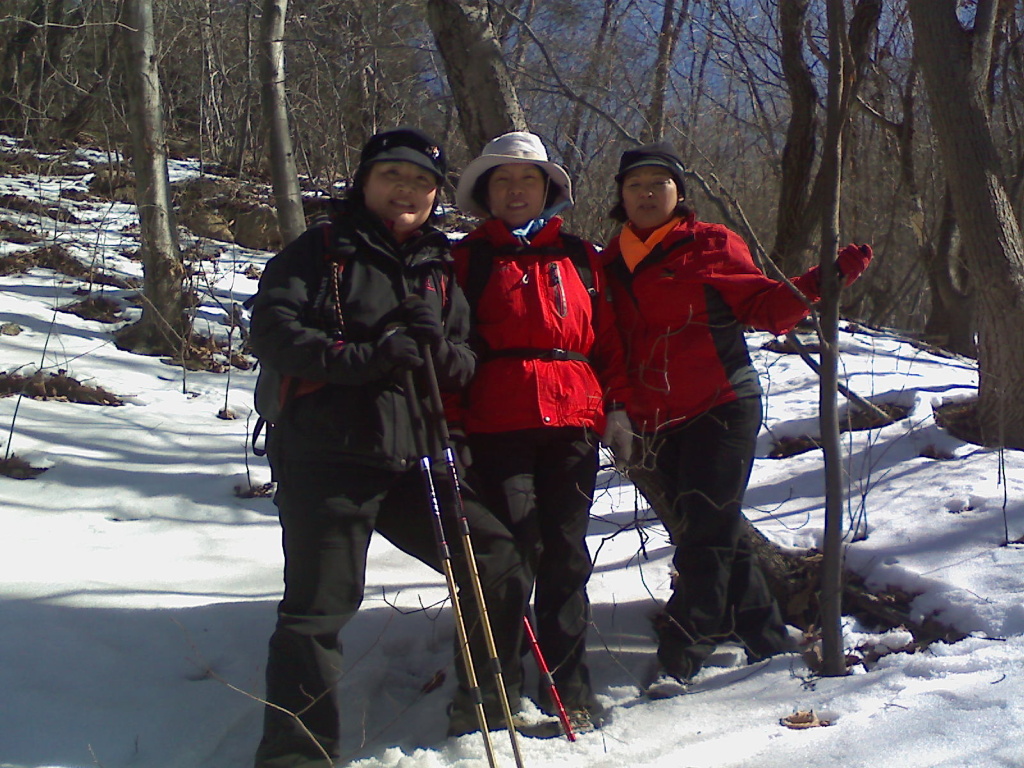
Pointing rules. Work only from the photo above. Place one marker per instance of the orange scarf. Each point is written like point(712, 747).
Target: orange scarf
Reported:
point(634, 250)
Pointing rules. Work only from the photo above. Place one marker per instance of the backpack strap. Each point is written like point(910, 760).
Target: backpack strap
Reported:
point(481, 262)
point(290, 385)
point(576, 250)
point(286, 394)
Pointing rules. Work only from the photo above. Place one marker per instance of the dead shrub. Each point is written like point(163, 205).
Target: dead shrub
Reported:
point(12, 233)
point(55, 386)
point(100, 308)
point(853, 420)
point(25, 205)
point(59, 259)
point(960, 419)
point(19, 469)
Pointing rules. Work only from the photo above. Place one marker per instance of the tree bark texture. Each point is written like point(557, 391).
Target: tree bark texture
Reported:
point(78, 117)
point(283, 171)
point(830, 177)
point(954, 70)
point(670, 28)
point(13, 66)
point(802, 195)
point(484, 94)
point(161, 329)
point(800, 149)
point(951, 319)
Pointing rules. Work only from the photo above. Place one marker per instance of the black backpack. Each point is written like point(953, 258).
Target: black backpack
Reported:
point(274, 390)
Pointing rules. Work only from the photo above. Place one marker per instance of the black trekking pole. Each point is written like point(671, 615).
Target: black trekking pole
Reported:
point(444, 552)
point(441, 424)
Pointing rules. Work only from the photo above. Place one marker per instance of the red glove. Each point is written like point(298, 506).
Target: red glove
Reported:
point(852, 261)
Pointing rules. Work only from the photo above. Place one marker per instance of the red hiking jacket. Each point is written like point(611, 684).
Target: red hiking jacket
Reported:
point(534, 298)
point(682, 313)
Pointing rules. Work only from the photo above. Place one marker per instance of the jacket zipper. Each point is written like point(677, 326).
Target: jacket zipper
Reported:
point(561, 306)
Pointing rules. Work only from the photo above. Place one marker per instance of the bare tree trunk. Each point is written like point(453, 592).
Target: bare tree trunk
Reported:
point(211, 95)
point(485, 97)
point(162, 327)
point(951, 320)
point(670, 28)
point(801, 140)
point(803, 197)
point(79, 116)
point(955, 65)
point(574, 126)
point(833, 655)
point(62, 15)
point(13, 66)
point(243, 131)
point(283, 171)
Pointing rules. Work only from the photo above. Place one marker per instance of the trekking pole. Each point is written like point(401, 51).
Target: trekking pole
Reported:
point(441, 424)
point(549, 681)
point(444, 552)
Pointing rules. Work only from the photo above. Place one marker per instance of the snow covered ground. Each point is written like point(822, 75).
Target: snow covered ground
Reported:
point(137, 590)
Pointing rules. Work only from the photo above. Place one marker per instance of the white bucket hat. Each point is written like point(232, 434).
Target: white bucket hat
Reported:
point(515, 147)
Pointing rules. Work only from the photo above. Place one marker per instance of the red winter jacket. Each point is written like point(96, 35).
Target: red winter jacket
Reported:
point(534, 298)
point(682, 312)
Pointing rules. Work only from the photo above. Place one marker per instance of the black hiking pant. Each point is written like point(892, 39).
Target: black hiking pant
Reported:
point(540, 484)
point(719, 592)
point(328, 513)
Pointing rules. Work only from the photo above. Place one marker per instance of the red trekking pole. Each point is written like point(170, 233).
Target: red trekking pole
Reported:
point(444, 555)
point(545, 673)
point(445, 437)
point(441, 426)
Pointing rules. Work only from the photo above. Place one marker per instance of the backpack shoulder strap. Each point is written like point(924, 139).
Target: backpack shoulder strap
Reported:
point(576, 250)
point(481, 261)
point(285, 388)
point(579, 255)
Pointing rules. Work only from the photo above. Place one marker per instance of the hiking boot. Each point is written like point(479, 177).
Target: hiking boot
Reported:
point(666, 687)
point(786, 639)
point(462, 721)
point(677, 663)
point(293, 752)
point(581, 720)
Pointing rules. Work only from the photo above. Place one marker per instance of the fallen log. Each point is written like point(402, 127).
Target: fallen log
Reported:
point(794, 578)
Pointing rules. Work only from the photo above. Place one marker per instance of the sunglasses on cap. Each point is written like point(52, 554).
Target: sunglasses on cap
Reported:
point(408, 145)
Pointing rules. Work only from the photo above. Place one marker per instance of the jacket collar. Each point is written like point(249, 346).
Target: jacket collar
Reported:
point(357, 223)
point(683, 232)
point(498, 234)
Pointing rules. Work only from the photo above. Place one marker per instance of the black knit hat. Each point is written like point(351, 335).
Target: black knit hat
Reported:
point(406, 144)
point(660, 153)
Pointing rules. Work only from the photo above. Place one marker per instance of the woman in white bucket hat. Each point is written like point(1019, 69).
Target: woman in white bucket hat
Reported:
point(516, 148)
point(550, 377)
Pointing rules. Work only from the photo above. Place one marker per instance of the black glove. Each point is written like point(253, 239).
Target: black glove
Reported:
point(422, 322)
point(397, 353)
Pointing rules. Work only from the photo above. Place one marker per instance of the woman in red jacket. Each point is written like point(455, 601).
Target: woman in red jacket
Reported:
point(683, 292)
point(550, 376)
